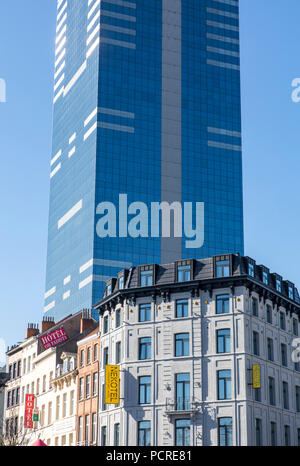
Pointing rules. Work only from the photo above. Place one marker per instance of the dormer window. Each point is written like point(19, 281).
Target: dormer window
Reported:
point(278, 285)
point(146, 276)
point(265, 277)
point(72, 364)
point(291, 292)
point(184, 271)
point(66, 365)
point(108, 290)
point(121, 283)
point(222, 268)
point(251, 270)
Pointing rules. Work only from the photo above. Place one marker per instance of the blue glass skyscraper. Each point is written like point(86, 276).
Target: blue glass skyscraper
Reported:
point(146, 106)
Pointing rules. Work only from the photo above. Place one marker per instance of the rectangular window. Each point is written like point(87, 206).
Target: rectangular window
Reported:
point(257, 394)
point(224, 385)
point(118, 352)
point(265, 278)
point(144, 433)
point(184, 273)
point(43, 410)
point(87, 429)
point(182, 432)
point(291, 292)
point(295, 327)
point(269, 314)
point(225, 432)
point(273, 434)
point(70, 440)
point(50, 380)
point(88, 355)
point(283, 354)
point(17, 395)
point(270, 349)
point(64, 405)
point(182, 392)
point(81, 388)
point(145, 390)
point(258, 432)
point(182, 344)
point(117, 435)
point(81, 358)
point(19, 368)
point(105, 356)
point(88, 386)
point(223, 341)
point(118, 318)
point(272, 391)
point(38, 386)
point(72, 401)
point(94, 428)
point(105, 324)
point(255, 307)
point(44, 384)
point(144, 312)
point(256, 343)
point(182, 308)
point(278, 285)
point(251, 270)
point(146, 277)
point(103, 436)
point(121, 283)
point(145, 348)
point(80, 429)
point(57, 408)
point(8, 401)
point(95, 384)
point(287, 436)
point(297, 390)
point(282, 320)
point(96, 352)
point(223, 304)
point(285, 395)
point(222, 268)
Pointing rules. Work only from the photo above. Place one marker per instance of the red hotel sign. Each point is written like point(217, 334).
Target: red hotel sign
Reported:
point(54, 338)
point(29, 406)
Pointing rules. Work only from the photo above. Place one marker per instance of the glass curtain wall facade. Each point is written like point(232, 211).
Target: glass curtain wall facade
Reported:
point(146, 105)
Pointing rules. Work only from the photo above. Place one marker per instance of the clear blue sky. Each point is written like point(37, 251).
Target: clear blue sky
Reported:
point(270, 38)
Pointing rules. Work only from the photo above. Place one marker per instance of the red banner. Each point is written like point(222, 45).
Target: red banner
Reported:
point(29, 407)
point(54, 338)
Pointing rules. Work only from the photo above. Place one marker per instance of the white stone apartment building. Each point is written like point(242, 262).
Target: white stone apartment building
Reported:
point(186, 336)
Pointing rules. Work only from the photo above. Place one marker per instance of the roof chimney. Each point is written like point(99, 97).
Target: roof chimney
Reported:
point(86, 321)
point(48, 322)
point(32, 330)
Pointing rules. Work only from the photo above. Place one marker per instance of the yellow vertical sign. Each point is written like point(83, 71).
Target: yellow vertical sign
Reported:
point(112, 384)
point(256, 376)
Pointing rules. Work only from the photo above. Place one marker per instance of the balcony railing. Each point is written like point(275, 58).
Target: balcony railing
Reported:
point(181, 405)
